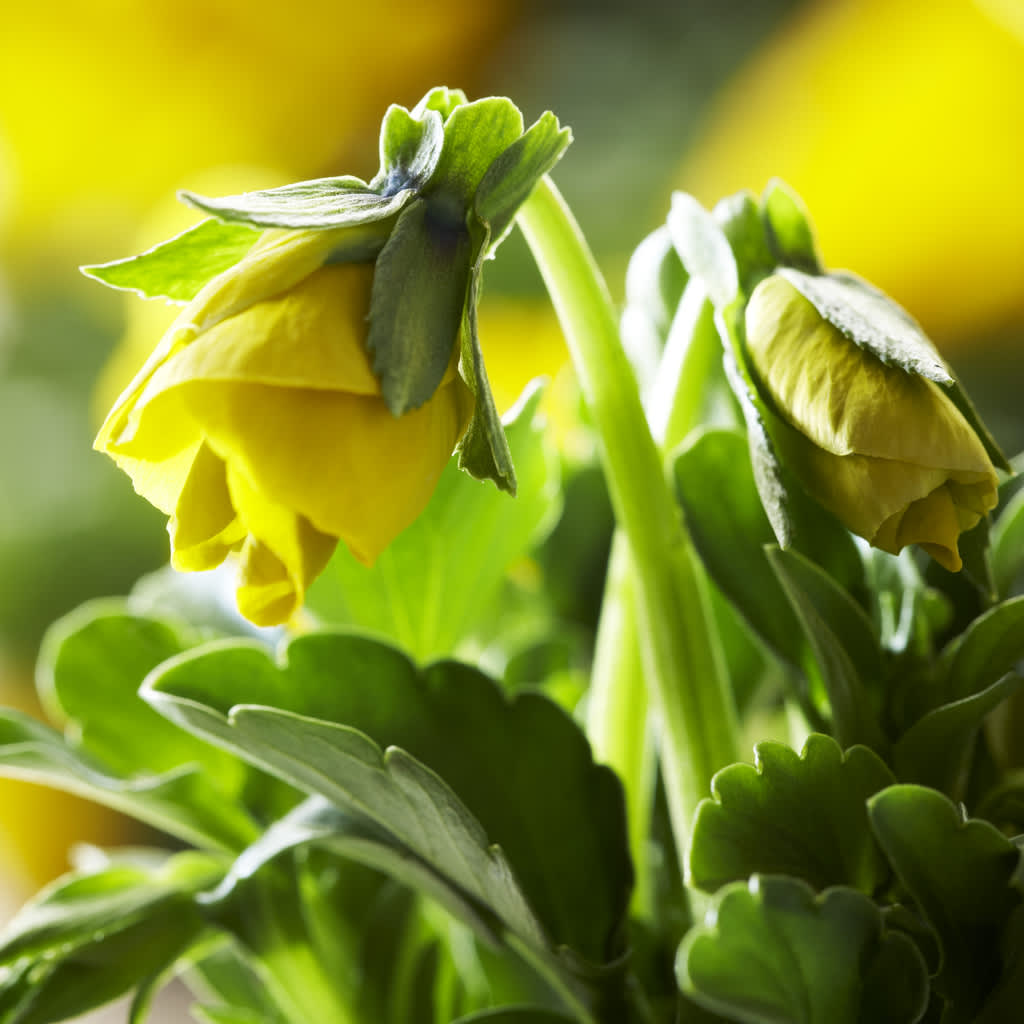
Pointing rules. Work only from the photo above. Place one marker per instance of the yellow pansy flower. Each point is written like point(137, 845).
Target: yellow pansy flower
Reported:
point(258, 426)
point(884, 449)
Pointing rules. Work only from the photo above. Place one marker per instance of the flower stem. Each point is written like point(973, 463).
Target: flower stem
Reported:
point(683, 664)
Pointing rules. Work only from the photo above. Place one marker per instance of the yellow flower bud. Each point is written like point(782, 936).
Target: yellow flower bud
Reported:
point(882, 448)
point(258, 426)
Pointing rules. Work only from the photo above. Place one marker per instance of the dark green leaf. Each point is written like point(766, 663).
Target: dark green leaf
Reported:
point(715, 484)
point(511, 177)
point(475, 135)
point(181, 802)
point(178, 268)
point(802, 816)
point(521, 768)
point(439, 578)
point(319, 204)
point(844, 643)
point(959, 873)
point(515, 1015)
point(989, 648)
point(788, 227)
point(704, 249)
point(774, 953)
point(933, 750)
point(416, 308)
point(1008, 996)
point(1008, 544)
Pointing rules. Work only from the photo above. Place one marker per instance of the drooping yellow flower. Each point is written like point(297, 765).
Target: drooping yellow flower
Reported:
point(884, 449)
point(258, 426)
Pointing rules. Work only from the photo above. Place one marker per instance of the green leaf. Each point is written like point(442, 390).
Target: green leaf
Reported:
point(181, 802)
point(320, 204)
point(416, 308)
point(844, 643)
point(1008, 544)
point(475, 135)
point(989, 648)
point(740, 218)
point(91, 666)
point(93, 937)
point(704, 249)
point(521, 768)
point(774, 953)
point(715, 484)
point(933, 751)
point(801, 816)
point(179, 268)
point(512, 176)
point(959, 872)
point(438, 579)
point(515, 1015)
point(788, 228)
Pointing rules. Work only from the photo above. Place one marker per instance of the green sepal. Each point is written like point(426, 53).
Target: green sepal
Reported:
point(704, 249)
point(409, 149)
point(788, 228)
point(441, 99)
point(321, 204)
point(416, 309)
point(484, 451)
point(741, 221)
point(510, 179)
point(178, 268)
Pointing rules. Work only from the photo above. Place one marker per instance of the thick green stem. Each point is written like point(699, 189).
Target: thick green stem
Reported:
point(683, 664)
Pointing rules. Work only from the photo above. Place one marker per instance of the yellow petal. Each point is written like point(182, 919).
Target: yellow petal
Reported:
point(312, 336)
point(934, 522)
point(204, 527)
point(344, 462)
point(159, 482)
point(280, 558)
point(845, 399)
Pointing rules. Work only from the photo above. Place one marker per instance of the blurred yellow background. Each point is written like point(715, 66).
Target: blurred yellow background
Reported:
point(899, 123)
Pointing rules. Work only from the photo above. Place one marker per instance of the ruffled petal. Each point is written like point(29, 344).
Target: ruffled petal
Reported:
point(204, 527)
point(282, 554)
point(343, 462)
point(159, 481)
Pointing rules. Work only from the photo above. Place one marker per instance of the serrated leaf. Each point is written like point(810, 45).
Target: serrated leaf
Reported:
point(521, 768)
point(932, 752)
point(419, 292)
point(475, 135)
point(788, 227)
point(959, 873)
point(989, 648)
point(844, 643)
point(321, 204)
point(715, 484)
point(512, 176)
point(704, 249)
point(774, 953)
point(801, 816)
point(178, 269)
point(180, 802)
point(438, 578)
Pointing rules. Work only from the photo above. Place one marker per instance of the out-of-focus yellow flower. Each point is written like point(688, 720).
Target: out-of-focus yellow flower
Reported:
point(902, 131)
point(884, 449)
point(258, 425)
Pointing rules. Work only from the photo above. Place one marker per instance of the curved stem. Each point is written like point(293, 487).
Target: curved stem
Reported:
point(683, 664)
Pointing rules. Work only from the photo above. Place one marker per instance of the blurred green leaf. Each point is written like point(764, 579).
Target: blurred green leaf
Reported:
point(774, 953)
point(989, 648)
point(703, 248)
point(801, 816)
point(440, 577)
point(959, 873)
point(788, 227)
point(1007, 550)
point(178, 269)
point(514, 1015)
